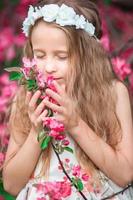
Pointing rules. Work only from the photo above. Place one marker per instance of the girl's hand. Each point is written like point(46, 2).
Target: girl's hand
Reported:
point(36, 112)
point(65, 111)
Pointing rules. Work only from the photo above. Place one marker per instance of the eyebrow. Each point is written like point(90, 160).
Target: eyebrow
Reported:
point(56, 51)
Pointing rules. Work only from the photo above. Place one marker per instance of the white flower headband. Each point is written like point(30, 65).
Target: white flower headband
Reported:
point(63, 15)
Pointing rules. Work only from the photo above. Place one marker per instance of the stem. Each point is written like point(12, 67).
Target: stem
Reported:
point(66, 172)
point(113, 195)
point(121, 191)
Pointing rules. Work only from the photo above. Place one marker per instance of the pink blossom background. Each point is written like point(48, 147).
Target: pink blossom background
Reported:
point(117, 39)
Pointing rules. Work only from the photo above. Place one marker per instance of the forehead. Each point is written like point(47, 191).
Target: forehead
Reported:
point(48, 35)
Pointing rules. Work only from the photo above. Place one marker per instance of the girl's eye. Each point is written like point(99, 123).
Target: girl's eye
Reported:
point(62, 57)
point(39, 56)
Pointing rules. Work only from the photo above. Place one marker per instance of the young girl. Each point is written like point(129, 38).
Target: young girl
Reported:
point(63, 38)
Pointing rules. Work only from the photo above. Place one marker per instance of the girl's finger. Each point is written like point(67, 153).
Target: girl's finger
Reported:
point(42, 116)
point(55, 96)
point(40, 108)
point(60, 90)
point(33, 101)
point(52, 106)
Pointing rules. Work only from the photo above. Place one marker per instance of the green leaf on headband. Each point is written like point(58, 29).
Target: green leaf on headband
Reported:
point(31, 84)
point(68, 149)
point(79, 185)
point(45, 142)
point(13, 76)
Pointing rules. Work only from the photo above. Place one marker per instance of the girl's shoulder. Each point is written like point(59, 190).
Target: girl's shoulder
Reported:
point(119, 86)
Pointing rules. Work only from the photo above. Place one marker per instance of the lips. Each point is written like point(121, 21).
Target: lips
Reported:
point(57, 78)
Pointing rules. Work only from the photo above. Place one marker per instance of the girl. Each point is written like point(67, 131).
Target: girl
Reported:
point(91, 103)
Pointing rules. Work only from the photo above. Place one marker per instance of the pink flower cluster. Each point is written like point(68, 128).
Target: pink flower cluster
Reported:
point(121, 67)
point(8, 43)
point(7, 92)
point(117, 32)
point(54, 190)
point(74, 170)
point(78, 173)
point(56, 128)
point(27, 66)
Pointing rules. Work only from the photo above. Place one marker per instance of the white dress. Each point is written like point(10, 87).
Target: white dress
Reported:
point(58, 187)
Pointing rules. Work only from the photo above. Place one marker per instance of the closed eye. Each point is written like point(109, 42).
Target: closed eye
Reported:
point(62, 57)
point(39, 56)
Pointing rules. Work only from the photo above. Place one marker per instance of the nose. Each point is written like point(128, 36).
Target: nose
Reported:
point(49, 66)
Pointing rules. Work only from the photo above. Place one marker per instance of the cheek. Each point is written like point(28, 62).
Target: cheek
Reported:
point(40, 64)
point(63, 67)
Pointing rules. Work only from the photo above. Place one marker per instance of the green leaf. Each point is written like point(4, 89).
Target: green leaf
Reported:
point(31, 85)
point(80, 185)
point(13, 76)
point(68, 149)
point(45, 142)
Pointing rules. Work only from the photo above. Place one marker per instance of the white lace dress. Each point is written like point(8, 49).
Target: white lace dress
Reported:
point(58, 186)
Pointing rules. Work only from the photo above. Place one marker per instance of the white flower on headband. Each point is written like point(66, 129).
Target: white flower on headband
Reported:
point(63, 15)
point(80, 22)
point(89, 28)
point(66, 16)
point(50, 12)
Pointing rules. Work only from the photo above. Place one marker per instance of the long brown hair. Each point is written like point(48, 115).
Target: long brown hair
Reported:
point(90, 85)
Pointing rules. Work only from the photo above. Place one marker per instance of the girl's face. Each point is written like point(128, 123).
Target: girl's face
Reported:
point(50, 50)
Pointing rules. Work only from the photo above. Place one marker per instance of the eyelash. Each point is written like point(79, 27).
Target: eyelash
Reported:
point(61, 58)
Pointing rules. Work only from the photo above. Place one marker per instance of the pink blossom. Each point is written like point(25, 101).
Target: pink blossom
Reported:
point(4, 79)
point(49, 82)
point(19, 39)
point(67, 160)
point(54, 124)
point(61, 137)
point(85, 177)
point(28, 63)
point(3, 104)
point(65, 142)
point(76, 170)
point(55, 190)
point(6, 38)
point(7, 43)
point(40, 79)
point(54, 134)
point(10, 53)
point(105, 42)
point(121, 68)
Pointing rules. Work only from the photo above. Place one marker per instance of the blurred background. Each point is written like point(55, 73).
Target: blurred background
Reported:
point(117, 39)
